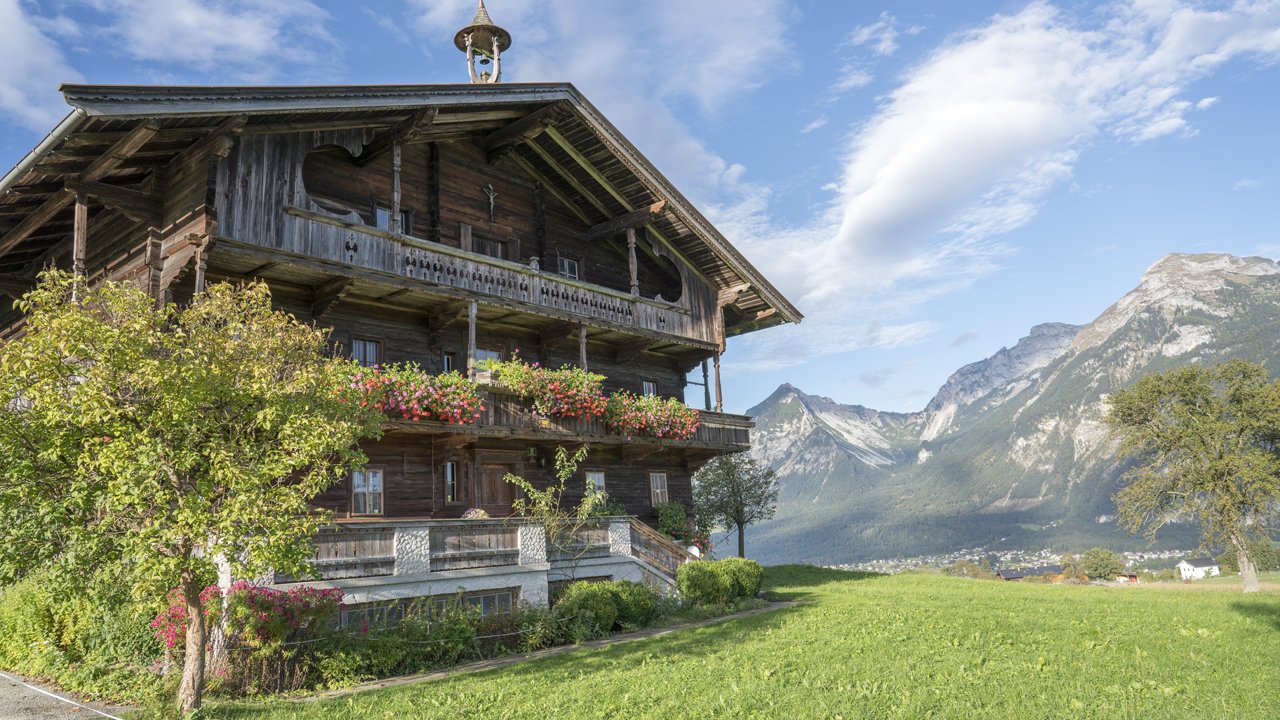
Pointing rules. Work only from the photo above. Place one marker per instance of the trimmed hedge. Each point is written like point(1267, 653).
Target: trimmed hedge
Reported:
point(747, 575)
point(588, 609)
point(635, 604)
point(717, 582)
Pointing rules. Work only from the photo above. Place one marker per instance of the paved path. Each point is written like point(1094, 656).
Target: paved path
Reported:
point(21, 699)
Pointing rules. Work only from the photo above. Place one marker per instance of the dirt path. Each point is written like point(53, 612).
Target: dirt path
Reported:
point(22, 699)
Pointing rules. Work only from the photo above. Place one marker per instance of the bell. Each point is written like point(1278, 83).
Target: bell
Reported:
point(483, 32)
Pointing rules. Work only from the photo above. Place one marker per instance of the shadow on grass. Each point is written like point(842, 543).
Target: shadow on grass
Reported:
point(1264, 611)
point(687, 644)
point(790, 582)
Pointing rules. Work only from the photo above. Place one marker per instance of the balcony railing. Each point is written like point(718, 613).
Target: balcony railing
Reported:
point(507, 414)
point(519, 284)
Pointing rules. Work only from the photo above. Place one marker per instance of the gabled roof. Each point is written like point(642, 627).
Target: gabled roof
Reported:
point(1039, 571)
point(1201, 562)
point(582, 159)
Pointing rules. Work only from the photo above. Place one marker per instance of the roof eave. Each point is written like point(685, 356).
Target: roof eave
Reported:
point(55, 136)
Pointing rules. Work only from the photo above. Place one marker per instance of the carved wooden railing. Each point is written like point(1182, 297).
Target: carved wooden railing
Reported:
point(474, 544)
point(657, 549)
point(471, 272)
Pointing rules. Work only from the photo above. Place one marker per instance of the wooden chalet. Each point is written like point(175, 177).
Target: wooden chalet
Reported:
point(441, 224)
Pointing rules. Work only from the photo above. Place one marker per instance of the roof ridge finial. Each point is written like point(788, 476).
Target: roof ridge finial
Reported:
point(484, 41)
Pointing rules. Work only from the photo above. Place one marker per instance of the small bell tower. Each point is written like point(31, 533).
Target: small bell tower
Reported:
point(484, 43)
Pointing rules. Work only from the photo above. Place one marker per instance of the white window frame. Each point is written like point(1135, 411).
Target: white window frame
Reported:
point(567, 267)
point(362, 483)
point(448, 361)
point(658, 488)
point(648, 388)
point(451, 494)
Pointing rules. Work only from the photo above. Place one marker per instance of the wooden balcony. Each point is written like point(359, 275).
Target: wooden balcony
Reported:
point(382, 256)
point(509, 416)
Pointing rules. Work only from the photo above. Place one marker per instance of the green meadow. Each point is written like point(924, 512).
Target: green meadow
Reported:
point(905, 646)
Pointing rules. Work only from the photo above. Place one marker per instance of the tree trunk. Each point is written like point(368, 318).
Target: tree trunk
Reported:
point(1248, 571)
point(742, 541)
point(191, 690)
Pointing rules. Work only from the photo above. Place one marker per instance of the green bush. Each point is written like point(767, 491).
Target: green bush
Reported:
point(634, 602)
point(672, 519)
point(705, 582)
point(747, 575)
point(96, 645)
point(588, 610)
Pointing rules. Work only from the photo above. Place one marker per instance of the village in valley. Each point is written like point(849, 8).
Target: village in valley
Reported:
point(443, 359)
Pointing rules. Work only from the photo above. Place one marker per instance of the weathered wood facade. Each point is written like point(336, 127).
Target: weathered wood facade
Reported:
point(443, 224)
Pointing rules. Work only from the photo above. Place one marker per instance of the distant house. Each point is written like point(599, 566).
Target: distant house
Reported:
point(1038, 571)
point(1198, 568)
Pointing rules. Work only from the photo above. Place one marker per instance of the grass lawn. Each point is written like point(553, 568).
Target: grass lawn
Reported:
point(906, 646)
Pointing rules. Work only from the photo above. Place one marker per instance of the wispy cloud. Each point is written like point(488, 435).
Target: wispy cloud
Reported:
point(1206, 103)
point(31, 67)
point(1249, 183)
point(877, 378)
point(881, 36)
point(249, 40)
point(852, 77)
point(964, 338)
point(815, 124)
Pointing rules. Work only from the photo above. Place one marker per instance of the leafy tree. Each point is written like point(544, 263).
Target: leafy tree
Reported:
point(155, 440)
point(1101, 564)
point(735, 491)
point(544, 506)
point(1207, 444)
point(1264, 555)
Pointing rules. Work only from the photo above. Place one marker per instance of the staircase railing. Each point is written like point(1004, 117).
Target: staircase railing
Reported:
point(657, 549)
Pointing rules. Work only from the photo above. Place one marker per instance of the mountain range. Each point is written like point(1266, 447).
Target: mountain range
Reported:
point(1012, 452)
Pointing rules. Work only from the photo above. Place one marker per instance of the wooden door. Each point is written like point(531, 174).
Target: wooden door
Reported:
point(496, 493)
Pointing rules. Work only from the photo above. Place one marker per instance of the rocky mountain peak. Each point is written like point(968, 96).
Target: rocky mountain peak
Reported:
point(1045, 343)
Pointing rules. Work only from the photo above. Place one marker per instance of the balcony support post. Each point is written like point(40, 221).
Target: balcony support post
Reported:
point(582, 346)
point(471, 340)
point(631, 261)
point(394, 224)
point(719, 394)
point(706, 386)
point(80, 240)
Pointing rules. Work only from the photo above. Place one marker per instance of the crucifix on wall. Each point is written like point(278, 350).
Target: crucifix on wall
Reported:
point(493, 201)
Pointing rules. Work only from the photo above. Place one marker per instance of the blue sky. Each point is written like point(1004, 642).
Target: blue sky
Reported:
point(926, 180)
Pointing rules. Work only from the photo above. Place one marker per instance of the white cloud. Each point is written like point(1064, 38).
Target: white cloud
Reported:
point(249, 40)
point(881, 36)
point(31, 67)
point(1206, 103)
point(967, 148)
point(1249, 183)
point(852, 77)
point(815, 124)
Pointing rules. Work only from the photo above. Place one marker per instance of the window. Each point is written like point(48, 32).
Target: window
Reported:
point(366, 491)
point(487, 601)
point(567, 267)
point(366, 352)
point(483, 354)
point(382, 219)
point(658, 487)
point(596, 479)
point(494, 248)
point(448, 362)
point(372, 615)
point(649, 388)
point(451, 482)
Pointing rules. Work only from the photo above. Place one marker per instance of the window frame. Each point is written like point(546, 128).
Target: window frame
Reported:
point(649, 388)
point(450, 467)
point(601, 486)
point(382, 491)
point(562, 268)
point(448, 361)
point(406, 216)
point(377, 344)
point(654, 498)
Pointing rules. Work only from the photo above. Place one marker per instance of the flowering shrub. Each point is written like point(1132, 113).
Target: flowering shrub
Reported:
point(257, 616)
point(630, 414)
point(568, 392)
point(406, 391)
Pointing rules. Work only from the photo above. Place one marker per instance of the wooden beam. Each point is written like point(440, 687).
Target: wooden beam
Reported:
point(599, 177)
point(441, 318)
point(472, 310)
point(556, 335)
point(121, 151)
point(15, 286)
point(526, 128)
point(134, 204)
point(328, 294)
point(38, 217)
point(582, 346)
point(628, 351)
point(630, 221)
point(564, 200)
point(404, 131)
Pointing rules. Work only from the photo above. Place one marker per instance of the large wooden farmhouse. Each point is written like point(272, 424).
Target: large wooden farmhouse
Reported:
point(442, 224)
